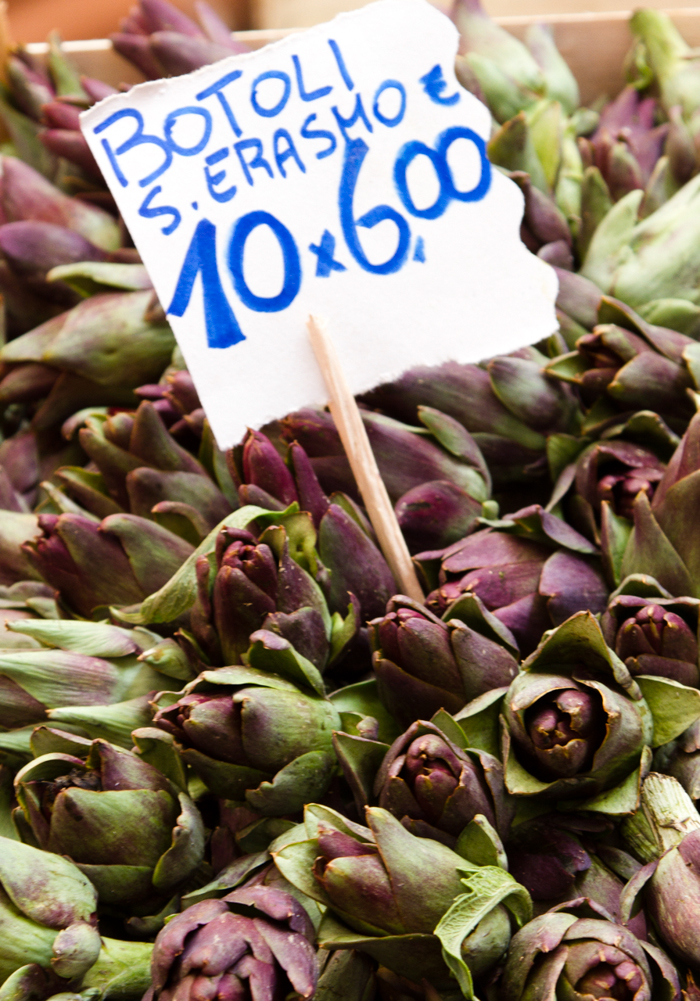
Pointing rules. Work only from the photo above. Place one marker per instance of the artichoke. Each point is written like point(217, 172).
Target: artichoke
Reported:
point(654, 633)
point(253, 735)
point(257, 584)
point(664, 834)
point(530, 570)
point(662, 542)
point(47, 911)
point(413, 884)
point(575, 950)
point(424, 664)
point(253, 944)
point(118, 561)
point(435, 787)
point(162, 41)
point(127, 828)
point(577, 726)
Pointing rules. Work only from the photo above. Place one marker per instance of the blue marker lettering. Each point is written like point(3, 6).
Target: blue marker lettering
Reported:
point(308, 133)
point(222, 327)
point(270, 75)
point(347, 123)
point(438, 158)
point(138, 138)
point(257, 161)
point(169, 125)
point(217, 157)
point(217, 88)
point(115, 163)
point(326, 264)
point(312, 95)
point(292, 264)
point(434, 83)
point(355, 153)
point(284, 154)
point(407, 154)
point(214, 180)
point(147, 212)
point(335, 49)
point(445, 140)
point(398, 117)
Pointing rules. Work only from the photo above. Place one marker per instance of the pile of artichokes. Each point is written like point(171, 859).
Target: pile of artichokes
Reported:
point(235, 764)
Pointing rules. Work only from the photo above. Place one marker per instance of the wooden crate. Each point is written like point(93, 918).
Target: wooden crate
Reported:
point(594, 45)
point(303, 13)
point(31, 20)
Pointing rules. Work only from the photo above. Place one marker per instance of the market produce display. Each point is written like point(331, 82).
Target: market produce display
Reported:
point(235, 764)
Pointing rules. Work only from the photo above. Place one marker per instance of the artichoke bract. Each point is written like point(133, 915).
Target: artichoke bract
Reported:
point(254, 736)
point(576, 725)
point(47, 913)
point(575, 950)
point(435, 787)
point(424, 664)
point(134, 835)
point(664, 834)
point(345, 866)
point(663, 541)
point(652, 632)
point(253, 944)
point(530, 570)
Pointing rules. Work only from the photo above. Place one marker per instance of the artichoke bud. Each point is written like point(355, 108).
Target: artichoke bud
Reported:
point(253, 736)
point(574, 720)
point(436, 787)
point(665, 834)
point(72, 807)
point(49, 908)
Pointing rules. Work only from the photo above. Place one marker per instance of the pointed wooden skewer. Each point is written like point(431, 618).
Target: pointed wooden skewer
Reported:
point(353, 435)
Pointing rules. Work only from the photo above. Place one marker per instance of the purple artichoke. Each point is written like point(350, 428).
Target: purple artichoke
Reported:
point(576, 724)
point(162, 41)
point(435, 788)
point(386, 892)
point(615, 472)
point(629, 364)
point(567, 952)
point(257, 584)
point(119, 561)
point(251, 735)
point(142, 469)
point(424, 664)
point(532, 572)
point(655, 636)
point(663, 541)
point(255, 944)
point(627, 143)
point(121, 821)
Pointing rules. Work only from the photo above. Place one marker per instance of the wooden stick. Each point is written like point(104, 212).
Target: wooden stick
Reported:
point(353, 435)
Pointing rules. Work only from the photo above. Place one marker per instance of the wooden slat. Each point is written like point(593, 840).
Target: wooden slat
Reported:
point(594, 45)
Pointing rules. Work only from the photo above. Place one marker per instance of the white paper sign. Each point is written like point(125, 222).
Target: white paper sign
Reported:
point(340, 172)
